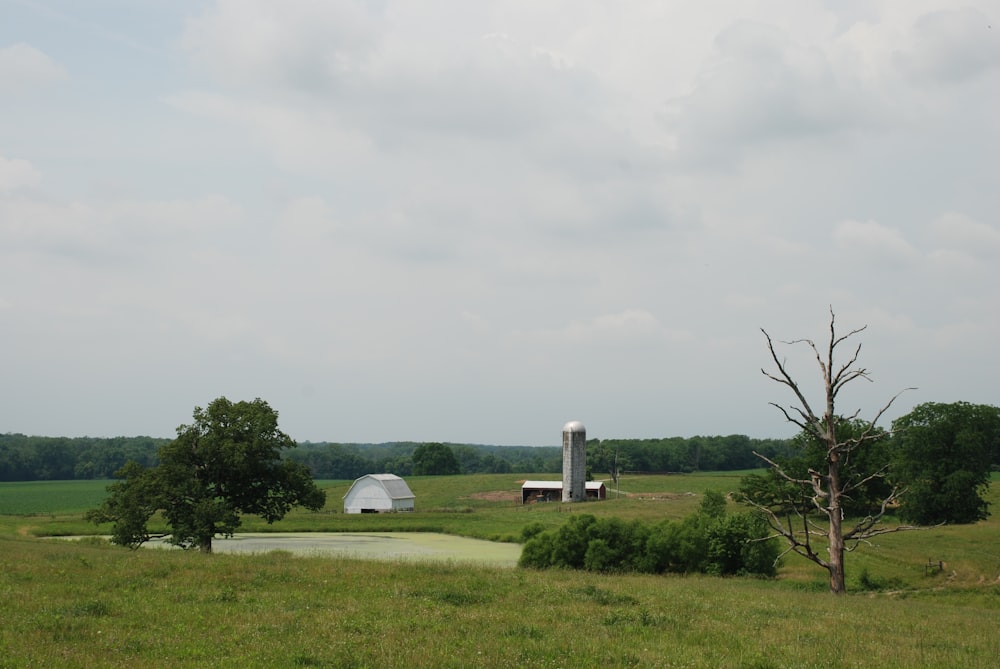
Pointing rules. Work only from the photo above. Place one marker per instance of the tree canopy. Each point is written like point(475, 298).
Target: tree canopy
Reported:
point(942, 454)
point(863, 474)
point(434, 458)
point(226, 463)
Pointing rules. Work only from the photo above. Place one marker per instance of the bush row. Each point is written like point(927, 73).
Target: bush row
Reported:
point(709, 542)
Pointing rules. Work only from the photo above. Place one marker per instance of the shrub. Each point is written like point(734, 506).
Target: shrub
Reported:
point(600, 557)
point(531, 530)
point(537, 552)
point(713, 504)
point(738, 544)
point(571, 542)
point(660, 554)
point(623, 544)
point(703, 543)
point(875, 584)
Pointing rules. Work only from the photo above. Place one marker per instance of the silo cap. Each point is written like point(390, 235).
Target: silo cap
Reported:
point(574, 426)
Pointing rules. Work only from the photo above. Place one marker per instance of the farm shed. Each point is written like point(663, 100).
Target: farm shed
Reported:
point(551, 491)
point(378, 493)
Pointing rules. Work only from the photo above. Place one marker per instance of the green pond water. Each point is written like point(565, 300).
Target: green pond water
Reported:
point(371, 545)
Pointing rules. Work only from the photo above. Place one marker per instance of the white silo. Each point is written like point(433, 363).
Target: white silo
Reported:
point(574, 454)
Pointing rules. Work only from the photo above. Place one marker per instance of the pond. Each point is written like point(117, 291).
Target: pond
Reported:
point(371, 545)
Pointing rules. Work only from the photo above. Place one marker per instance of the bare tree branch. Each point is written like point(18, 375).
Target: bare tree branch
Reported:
point(827, 487)
point(780, 471)
point(786, 378)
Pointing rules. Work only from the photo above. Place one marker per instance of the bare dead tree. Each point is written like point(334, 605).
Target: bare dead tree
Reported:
point(826, 489)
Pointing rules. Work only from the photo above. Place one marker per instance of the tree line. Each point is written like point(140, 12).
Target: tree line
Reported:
point(36, 458)
point(24, 458)
point(681, 454)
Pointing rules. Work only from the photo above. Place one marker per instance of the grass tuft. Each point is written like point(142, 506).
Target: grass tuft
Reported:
point(603, 597)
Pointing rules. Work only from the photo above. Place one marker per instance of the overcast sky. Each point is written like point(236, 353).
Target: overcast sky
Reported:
point(475, 221)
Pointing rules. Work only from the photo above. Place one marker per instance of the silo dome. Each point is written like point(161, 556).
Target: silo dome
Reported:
point(574, 426)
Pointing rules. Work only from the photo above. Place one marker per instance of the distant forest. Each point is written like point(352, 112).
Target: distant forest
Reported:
point(30, 458)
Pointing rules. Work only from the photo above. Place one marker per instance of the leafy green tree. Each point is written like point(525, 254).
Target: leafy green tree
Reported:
point(469, 458)
point(132, 501)
point(434, 459)
point(713, 504)
point(226, 463)
point(862, 475)
point(491, 464)
point(740, 544)
point(606, 457)
point(942, 455)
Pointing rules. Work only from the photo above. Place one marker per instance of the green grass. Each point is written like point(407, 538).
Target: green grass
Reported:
point(482, 506)
point(92, 605)
point(47, 497)
point(88, 604)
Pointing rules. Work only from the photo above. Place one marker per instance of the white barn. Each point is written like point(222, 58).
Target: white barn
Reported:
point(378, 493)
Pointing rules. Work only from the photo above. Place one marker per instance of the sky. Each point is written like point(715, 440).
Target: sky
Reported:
point(475, 221)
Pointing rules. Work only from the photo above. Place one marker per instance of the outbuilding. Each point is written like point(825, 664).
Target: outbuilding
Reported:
point(378, 493)
point(551, 491)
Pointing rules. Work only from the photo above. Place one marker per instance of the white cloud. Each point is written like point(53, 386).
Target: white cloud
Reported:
point(874, 241)
point(629, 327)
point(314, 47)
point(303, 139)
point(950, 261)
point(124, 231)
point(951, 46)
point(426, 211)
point(959, 231)
point(23, 67)
point(745, 302)
point(16, 173)
point(760, 86)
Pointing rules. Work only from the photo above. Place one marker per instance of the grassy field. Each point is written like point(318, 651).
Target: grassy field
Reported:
point(485, 506)
point(49, 497)
point(88, 604)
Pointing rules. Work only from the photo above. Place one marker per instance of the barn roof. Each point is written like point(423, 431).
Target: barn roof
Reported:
point(393, 485)
point(557, 485)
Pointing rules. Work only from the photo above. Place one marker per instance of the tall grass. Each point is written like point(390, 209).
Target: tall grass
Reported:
point(92, 605)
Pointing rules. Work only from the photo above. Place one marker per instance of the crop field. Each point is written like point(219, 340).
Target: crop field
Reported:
point(88, 604)
point(46, 497)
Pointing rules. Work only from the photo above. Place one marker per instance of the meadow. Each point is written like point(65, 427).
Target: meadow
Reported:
point(89, 604)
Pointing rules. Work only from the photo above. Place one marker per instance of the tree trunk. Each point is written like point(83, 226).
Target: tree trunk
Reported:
point(836, 533)
point(205, 544)
point(837, 583)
